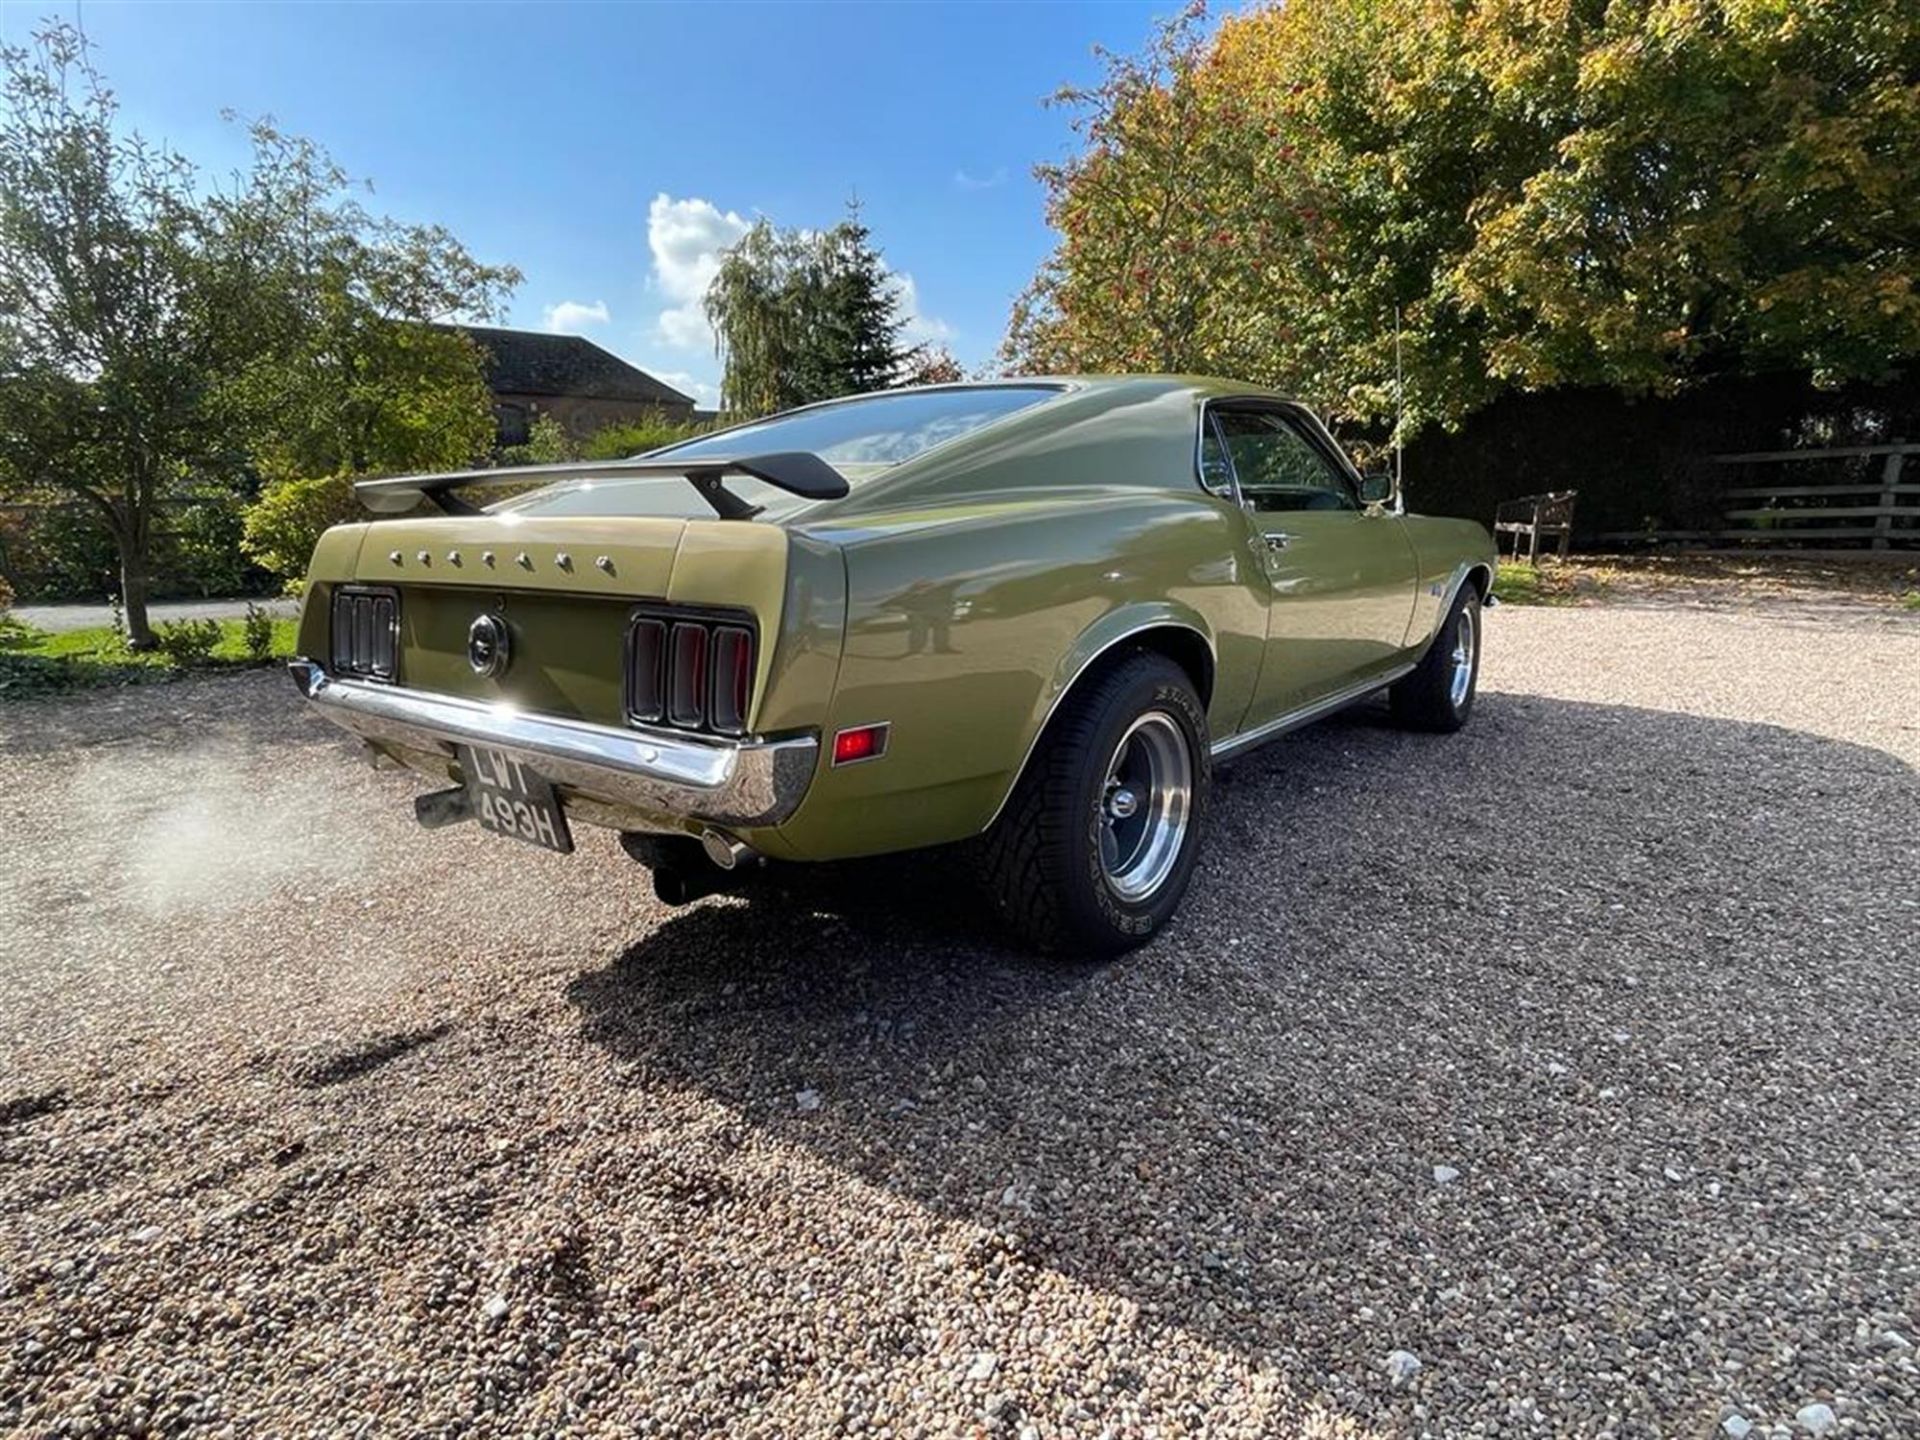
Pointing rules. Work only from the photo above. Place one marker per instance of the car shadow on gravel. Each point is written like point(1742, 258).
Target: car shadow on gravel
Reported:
point(1633, 981)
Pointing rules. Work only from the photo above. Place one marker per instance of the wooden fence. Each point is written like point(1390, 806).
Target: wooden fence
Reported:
point(1882, 510)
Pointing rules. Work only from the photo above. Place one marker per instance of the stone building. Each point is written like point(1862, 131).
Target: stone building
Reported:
point(570, 378)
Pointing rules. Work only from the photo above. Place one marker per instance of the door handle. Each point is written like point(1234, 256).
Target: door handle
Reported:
point(1277, 539)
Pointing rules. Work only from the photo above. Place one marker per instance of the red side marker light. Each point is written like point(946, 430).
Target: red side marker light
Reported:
point(863, 742)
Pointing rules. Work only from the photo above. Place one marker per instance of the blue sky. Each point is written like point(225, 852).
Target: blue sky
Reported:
point(609, 150)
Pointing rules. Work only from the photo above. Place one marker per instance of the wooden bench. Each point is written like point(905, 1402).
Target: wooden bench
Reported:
point(1532, 516)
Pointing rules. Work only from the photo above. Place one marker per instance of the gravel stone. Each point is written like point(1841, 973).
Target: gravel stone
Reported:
point(1816, 1419)
point(365, 1078)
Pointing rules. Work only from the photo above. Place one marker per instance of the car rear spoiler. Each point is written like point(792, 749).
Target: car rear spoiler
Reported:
point(798, 472)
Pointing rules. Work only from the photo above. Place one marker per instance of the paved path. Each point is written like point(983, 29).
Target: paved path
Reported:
point(86, 617)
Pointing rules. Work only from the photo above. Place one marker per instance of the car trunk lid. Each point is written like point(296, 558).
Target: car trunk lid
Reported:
point(566, 588)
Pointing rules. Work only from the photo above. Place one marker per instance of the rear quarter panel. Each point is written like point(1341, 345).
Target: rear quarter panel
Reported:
point(967, 621)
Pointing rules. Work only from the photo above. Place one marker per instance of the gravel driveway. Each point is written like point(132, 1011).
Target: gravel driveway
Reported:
point(1573, 1058)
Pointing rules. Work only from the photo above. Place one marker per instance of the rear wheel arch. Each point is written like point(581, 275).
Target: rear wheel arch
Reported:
point(1068, 869)
point(1186, 647)
point(1180, 640)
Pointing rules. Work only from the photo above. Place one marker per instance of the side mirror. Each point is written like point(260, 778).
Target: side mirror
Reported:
point(1376, 488)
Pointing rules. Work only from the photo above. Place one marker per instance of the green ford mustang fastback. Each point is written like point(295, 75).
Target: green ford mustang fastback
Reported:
point(1027, 615)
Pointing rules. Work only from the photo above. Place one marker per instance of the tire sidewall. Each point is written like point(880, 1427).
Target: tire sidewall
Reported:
point(1132, 922)
point(1469, 603)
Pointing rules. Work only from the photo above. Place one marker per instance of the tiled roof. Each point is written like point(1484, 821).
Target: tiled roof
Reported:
point(531, 362)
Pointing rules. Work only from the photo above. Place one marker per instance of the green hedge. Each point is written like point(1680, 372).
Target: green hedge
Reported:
point(62, 552)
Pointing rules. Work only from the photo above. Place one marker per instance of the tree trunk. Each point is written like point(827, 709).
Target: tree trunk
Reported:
point(133, 594)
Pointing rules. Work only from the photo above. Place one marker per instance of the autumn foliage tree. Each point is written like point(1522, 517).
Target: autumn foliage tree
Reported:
point(1642, 194)
point(930, 364)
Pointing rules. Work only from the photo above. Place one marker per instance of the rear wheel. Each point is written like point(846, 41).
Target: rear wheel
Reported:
point(1438, 694)
point(1097, 842)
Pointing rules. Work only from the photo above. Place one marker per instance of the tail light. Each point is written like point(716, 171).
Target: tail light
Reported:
point(732, 664)
point(687, 676)
point(366, 632)
point(691, 671)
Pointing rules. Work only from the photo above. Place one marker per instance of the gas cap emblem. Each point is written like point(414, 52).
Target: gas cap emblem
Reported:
point(488, 649)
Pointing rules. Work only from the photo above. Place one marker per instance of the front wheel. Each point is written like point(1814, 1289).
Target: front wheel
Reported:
point(1097, 842)
point(1438, 693)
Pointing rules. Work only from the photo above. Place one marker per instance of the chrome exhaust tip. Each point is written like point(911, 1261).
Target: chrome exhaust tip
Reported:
point(686, 868)
point(725, 851)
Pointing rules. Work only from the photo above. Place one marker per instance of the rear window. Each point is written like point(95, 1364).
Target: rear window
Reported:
point(883, 429)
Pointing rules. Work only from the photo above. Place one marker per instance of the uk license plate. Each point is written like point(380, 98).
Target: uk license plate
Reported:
point(510, 798)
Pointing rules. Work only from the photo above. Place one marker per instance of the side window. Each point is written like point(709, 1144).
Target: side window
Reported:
point(1278, 467)
point(1215, 472)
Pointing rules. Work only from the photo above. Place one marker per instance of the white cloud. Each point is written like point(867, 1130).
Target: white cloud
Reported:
point(920, 328)
point(967, 181)
point(687, 238)
point(705, 394)
point(570, 317)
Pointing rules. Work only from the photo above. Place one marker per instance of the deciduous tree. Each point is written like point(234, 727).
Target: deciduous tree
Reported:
point(1642, 194)
point(115, 314)
point(355, 370)
point(161, 334)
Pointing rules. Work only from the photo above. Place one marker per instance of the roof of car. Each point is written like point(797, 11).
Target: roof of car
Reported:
point(1209, 385)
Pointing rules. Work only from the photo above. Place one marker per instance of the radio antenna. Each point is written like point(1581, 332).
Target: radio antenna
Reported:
point(1399, 413)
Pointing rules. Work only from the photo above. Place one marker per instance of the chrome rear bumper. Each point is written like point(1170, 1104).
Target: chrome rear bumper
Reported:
point(724, 782)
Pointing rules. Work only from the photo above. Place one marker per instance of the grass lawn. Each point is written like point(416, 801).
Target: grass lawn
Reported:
point(36, 662)
point(1516, 584)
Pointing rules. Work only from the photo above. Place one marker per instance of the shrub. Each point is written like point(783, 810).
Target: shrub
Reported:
point(13, 630)
point(636, 437)
point(257, 629)
point(548, 443)
point(286, 522)
point(59, 552)
point(200, 552)
point(63, 552)
point(187, 642)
